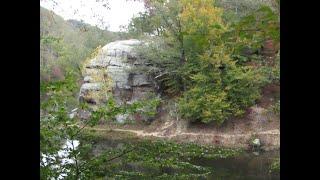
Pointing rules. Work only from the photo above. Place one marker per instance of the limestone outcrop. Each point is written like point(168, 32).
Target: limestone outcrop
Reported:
point(113, 73)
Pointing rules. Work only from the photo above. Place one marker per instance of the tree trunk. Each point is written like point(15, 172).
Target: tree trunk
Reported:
point(182, 55)
point(182, 62)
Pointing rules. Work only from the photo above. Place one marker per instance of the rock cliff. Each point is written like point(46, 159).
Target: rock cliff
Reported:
point(113, 72)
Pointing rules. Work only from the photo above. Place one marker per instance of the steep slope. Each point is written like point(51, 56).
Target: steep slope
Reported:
point(72, 31)
point(65, 44)
point(111, 74)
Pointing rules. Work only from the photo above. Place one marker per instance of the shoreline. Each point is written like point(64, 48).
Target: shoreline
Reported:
point(270, 140)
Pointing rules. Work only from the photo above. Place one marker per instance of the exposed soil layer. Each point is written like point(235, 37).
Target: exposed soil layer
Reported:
point(258, 122)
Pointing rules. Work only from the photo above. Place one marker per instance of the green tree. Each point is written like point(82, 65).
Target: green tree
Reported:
point(220, 88)
point(186, 29)
point(194, 57)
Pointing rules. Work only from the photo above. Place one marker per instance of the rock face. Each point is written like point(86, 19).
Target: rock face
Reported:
point(114, 72)
point(256, 142)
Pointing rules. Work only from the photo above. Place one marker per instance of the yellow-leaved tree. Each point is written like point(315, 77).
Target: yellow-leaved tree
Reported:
point(192, 60)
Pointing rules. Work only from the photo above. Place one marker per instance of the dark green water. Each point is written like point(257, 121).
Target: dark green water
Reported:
point(245, 166)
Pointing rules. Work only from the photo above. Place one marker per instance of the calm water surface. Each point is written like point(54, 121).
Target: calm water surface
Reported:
point(247, 166)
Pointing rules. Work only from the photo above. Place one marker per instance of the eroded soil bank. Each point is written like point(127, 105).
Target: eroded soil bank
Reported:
point(259, 122)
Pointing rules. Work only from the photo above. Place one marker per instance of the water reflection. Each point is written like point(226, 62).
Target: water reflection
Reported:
point(62, 155)
point(247, 166)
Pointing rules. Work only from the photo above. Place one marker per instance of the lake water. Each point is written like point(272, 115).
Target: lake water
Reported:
point(63, 155)
point(247, 166)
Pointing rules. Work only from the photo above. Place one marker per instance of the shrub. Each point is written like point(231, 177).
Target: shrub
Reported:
point(221, 89)
point(275, 166)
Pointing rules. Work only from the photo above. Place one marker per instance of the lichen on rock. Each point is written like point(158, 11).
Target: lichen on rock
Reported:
point(113, 72)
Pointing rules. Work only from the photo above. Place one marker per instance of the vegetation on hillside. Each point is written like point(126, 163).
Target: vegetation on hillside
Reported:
point(213, 57)
point(216, 65)
point(64, 45)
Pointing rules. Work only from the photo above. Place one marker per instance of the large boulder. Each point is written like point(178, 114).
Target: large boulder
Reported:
point(113, 72)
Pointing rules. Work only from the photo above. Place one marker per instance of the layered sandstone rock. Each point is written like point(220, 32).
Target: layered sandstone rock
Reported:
point(112, 73)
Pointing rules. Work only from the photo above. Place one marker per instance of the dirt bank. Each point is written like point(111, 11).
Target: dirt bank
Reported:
point(236, 133)
point(258, 122)
point(270, 139)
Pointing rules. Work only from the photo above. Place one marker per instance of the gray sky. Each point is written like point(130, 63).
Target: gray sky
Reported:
point(93, 12)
